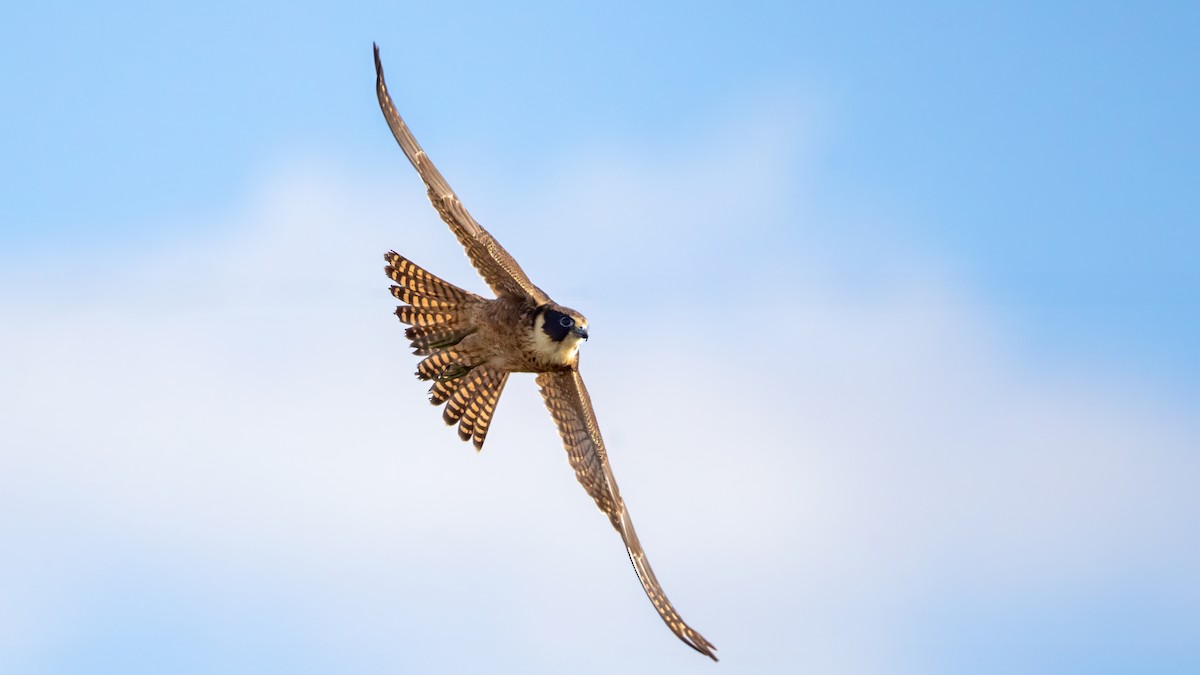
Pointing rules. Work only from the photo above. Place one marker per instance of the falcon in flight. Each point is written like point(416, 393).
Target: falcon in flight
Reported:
point(471, 344)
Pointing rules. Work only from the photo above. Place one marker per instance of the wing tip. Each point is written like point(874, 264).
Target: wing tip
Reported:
point(693, 639)
point(704, 647)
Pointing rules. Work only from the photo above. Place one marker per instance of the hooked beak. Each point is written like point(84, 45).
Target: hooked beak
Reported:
point(581, 332)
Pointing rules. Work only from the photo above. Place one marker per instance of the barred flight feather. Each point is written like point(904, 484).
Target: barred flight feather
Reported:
point(418, 332)
point(411, 297)
point(415, 316)
point(471, 402)
point(462, 395)
point(442, 390)
point(482, 419)
point(442, 366)
point(408, 275)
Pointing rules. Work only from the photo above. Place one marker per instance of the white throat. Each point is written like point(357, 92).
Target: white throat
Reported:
point(560, 353)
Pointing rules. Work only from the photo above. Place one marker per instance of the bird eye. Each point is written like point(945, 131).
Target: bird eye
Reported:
point(566, 322)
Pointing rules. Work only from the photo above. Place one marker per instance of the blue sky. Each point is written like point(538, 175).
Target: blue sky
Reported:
point(1046, 151)
point(953, 248)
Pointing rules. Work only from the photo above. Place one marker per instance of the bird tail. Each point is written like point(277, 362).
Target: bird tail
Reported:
point(437, 315)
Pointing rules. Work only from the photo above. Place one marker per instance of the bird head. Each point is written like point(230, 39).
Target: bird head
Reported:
point(558, 332)
point(561, 324)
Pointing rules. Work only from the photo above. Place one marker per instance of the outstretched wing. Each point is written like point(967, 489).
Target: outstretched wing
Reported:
point(495, 265)
point(569, 405)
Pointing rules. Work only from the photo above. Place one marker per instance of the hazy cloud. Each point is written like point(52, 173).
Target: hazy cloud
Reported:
point(215, 444)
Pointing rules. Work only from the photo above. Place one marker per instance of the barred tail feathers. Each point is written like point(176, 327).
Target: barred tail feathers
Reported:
point(437, 313)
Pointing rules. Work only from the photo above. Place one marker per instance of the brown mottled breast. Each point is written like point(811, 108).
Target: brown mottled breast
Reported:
point(502, 330)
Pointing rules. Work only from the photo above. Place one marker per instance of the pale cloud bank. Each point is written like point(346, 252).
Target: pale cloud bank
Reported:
point(215, 445)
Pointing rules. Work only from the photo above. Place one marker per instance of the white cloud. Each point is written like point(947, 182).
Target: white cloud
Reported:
point(814, 475)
